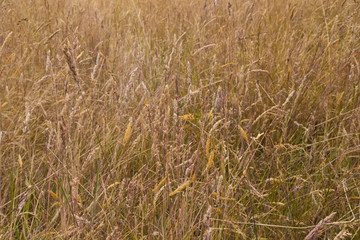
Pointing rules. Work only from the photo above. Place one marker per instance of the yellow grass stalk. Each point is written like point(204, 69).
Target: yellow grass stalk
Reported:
point(53, 195)
point(280, 204)
point(273, 180)
point(112, 185)
point(20, 161)
point(55, 204)
point(79, 199)
point(79, 56)
point(243, 133)
point(159, 185)
point(227, 199)
point(183, 186)
point(9, 58)
point(211, 159)
point(215, 195)
point(187, 117)
point(127, 132)
point(210, 114)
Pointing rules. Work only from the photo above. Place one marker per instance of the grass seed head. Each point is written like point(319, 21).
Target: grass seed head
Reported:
point(127, 132)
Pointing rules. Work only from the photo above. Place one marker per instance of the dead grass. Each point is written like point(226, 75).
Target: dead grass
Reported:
point(179, 119)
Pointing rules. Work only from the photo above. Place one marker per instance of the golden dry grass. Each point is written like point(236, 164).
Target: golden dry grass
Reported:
point(156, 119)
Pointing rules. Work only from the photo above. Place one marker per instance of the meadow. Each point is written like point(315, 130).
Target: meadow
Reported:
point(154, 119)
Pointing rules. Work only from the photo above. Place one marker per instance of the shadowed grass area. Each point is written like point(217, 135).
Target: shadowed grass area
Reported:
point(179, 119)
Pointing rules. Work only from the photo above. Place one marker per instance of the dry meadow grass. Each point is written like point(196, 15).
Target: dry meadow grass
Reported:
point(153, 119)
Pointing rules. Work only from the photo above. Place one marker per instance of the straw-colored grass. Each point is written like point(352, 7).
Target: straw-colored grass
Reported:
point(179, 119)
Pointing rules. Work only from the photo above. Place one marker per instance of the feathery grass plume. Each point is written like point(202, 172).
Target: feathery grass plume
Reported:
point(27, 117)
point(289, 97)
point(53, 195)
point(211, 159)
point(218, 100)
point(24, 199)
point(146, 94)
point(319, 227)
point(207, 217)
point(82, 220)
point(160, 184)
point(70, 59)
point(216, 124)
point(188, 170)
point(145, 89)
point(157, 194)
point(122, 189)
point(175, 105)
point(351, 75)
point(74, 183)
point(131, 193)
point(243, 133)
point(127, 132)
point(95, 69)
point(20, 161)
point(214, 63)
point(183, 186)
point(260, 99)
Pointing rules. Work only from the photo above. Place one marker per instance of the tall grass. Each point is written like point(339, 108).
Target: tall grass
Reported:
point(179, 119)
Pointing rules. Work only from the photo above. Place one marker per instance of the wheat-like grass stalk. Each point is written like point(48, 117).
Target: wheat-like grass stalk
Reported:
point(319, 227)
point(243, 134)
point(128, 132)
point(183, 186)
point(159, 184)
point(210, 160)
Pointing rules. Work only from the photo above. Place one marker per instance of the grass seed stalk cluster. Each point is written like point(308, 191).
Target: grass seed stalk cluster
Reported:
point(157, 119)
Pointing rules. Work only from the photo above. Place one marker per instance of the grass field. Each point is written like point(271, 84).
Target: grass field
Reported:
point(154, 119)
